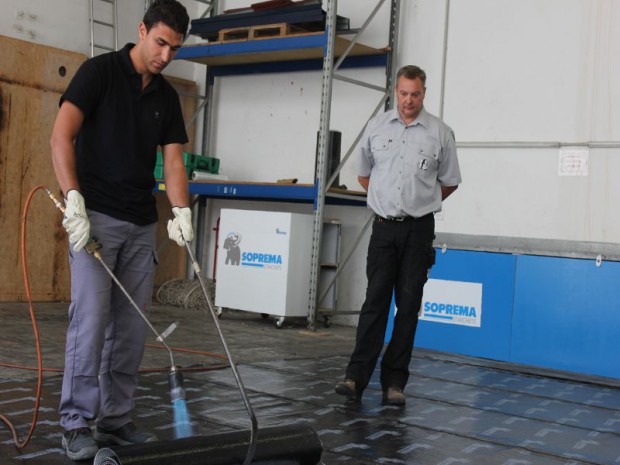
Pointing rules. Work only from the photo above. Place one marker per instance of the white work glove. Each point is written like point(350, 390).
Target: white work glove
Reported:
point(180, 229)
point(75, 220)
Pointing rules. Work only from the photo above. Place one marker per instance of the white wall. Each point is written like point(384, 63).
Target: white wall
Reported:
point(521, 73)
point(65, 23)
point(517, 73)
point(274, 118)
point(530, 72)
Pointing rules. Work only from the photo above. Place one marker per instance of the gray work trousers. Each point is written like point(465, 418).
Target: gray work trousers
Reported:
point(106, 335)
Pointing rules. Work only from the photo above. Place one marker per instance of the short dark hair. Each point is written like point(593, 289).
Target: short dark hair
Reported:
point(412, 72)
point(169, 12)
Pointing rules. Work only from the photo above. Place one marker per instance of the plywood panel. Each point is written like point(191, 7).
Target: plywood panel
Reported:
point(25, 164)
point(31, 80)
point(37, 66)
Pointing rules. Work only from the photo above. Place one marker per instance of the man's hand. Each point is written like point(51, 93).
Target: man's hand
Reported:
point(75, 220)
point(180, 229)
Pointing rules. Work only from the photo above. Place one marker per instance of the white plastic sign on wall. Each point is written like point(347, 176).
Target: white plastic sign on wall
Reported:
point(452, 302)
point(573, 161)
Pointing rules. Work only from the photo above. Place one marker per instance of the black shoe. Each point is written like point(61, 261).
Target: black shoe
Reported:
point(79, 444)
point(347, 388)
point(126, 434)
point(394, 396)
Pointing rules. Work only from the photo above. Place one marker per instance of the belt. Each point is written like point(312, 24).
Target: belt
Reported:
point(400, 219)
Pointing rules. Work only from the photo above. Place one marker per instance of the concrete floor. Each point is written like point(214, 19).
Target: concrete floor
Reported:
point(459, 410)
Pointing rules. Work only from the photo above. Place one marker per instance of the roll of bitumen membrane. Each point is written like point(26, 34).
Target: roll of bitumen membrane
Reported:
point(290, 444)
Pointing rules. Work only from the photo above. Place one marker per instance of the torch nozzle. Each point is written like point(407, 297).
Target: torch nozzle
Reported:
point(175, 383)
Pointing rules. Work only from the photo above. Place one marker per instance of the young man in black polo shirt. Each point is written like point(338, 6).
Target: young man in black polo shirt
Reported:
point(115, 113)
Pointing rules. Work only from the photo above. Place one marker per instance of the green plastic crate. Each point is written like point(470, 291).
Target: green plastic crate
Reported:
point(208, 164)
point(159, 172)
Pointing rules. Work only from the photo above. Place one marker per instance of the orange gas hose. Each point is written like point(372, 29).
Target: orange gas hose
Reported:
point(35, 414)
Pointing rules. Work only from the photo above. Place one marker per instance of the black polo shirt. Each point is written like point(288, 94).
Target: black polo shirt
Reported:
point(116, 148)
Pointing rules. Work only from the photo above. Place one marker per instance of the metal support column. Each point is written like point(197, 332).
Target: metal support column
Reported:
point(321, 171)
point(393, 46)
point(330, 73)
point(207, 117)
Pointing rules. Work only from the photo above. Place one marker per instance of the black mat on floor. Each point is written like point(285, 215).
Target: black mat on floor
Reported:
point(456, 413)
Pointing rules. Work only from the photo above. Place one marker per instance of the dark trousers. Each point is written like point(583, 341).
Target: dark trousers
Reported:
point(400, 255)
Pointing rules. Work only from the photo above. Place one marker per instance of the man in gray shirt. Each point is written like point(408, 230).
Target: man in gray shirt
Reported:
point(408, 165)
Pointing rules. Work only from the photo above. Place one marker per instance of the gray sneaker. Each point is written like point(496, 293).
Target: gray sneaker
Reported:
point(126, 434)
point(79, 444)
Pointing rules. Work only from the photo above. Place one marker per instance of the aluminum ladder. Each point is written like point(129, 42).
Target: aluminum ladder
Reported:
point(103, 26)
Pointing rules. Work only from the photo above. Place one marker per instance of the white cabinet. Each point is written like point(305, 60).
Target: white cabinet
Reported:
point(263, 262)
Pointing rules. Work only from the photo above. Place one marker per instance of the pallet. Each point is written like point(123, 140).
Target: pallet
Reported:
point(265, 31)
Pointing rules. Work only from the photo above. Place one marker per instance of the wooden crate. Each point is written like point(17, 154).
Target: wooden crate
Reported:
point(265, 31)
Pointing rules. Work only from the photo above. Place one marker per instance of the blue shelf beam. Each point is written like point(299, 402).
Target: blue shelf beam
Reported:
point(249, 191)
point(366, 61)
point(300, 193)
point(277, 55)
point(279, 44)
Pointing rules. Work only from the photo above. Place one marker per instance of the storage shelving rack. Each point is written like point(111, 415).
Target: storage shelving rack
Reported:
point(299, 53)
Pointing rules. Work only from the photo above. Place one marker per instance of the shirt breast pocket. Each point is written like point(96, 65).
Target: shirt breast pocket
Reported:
point(380, 147)
point(427, 160)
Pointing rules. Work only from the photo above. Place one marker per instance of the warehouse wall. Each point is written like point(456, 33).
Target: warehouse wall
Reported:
point(523, 83)
point(535, 72)
point(279, 113)
point(521, 80)
point(524, 72)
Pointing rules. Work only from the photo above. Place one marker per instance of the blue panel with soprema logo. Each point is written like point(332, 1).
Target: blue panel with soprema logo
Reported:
point(453, 320)
point(548, 312)
point(567, 315)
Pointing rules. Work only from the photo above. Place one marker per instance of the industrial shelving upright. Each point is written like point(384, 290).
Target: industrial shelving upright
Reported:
point(218, 59)
point(322, 183)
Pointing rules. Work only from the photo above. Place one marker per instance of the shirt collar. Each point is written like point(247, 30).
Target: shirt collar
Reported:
point(422, 118)
point(130, 71)
point(126, 59)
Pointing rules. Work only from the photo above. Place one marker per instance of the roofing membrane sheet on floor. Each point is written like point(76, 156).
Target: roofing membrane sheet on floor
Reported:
point(459, 410)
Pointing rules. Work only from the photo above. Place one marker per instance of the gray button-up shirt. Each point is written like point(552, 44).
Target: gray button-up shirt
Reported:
point(407, 164)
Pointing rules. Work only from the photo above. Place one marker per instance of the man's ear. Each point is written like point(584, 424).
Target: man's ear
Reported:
point(142, 32)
